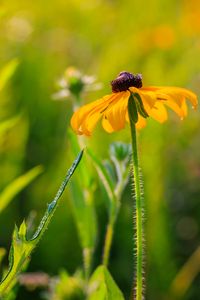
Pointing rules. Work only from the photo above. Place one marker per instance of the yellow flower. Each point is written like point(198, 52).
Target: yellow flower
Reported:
point(113, 109)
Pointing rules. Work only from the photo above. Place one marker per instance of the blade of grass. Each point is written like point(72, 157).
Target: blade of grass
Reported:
point(7, 71)
point(17, 185)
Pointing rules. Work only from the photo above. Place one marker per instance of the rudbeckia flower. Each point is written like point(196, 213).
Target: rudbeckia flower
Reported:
point(150, 101)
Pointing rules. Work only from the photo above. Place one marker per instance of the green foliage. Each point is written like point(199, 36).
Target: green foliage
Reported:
point(113, 178)
point(83, 208)
point(2, 254)
point(22, 247)
point(68, 287)
point(84, 215)
point(7, 71)
point(103, 287)
point(140, 106)
point(17, 185)
point(8, 124)
point(120, 152)
point(106, 180)
point(113, 173)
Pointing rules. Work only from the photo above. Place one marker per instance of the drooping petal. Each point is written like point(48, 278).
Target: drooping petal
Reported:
point(86, 117)
point(106, 125)
point(180, 94)
point(175, 93)
point(184, 108)
point(149, 99)
point(173, 97)
point(90, 122)
point(159, 112)
point(114, 116)
point(175, 107)
point(141, 123)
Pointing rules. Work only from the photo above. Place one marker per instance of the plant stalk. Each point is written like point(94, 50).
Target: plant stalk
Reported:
point(108, 239)
point(87, 259)
point(137, 214)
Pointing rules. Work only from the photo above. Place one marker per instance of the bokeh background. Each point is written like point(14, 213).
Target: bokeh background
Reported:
point(161, 40)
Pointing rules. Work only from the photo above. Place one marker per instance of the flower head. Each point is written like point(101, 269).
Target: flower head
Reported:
point(149, 101)
point(74, 83)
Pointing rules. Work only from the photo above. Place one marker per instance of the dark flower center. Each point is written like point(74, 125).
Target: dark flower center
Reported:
point(125, 80)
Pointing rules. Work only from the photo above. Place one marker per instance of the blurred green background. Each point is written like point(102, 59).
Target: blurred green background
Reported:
point(161, 40)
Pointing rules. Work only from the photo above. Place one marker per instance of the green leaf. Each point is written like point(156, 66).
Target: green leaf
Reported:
point(9, 123)
point(83, 206)
point(84, 215)
point(119, 150)
point(2, 254)
point(104, 176)
point(7, 71)
point(82, 201)
point(17, 185)
point(103, 287)
point(22, 247)
point(68, 287)
point(132, 109)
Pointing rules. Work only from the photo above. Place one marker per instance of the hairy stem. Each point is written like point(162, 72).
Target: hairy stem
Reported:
point(137, 214)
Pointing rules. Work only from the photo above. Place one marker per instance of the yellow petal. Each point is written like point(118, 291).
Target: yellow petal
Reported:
point(175, 107)
point(89, 123)
point(93, 111)
point(115, 114)
point(177, 94)
point(159, 112)
point(187, 94)
point(127, 117)
point(173, 97)
point(106, 125)
point(184, 108)
point(141, 123)
point(148, 98)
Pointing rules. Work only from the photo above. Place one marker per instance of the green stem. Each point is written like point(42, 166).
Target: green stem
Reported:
point(112, 219)
point(87, 257)
point(108, 240)
point(137, 213)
